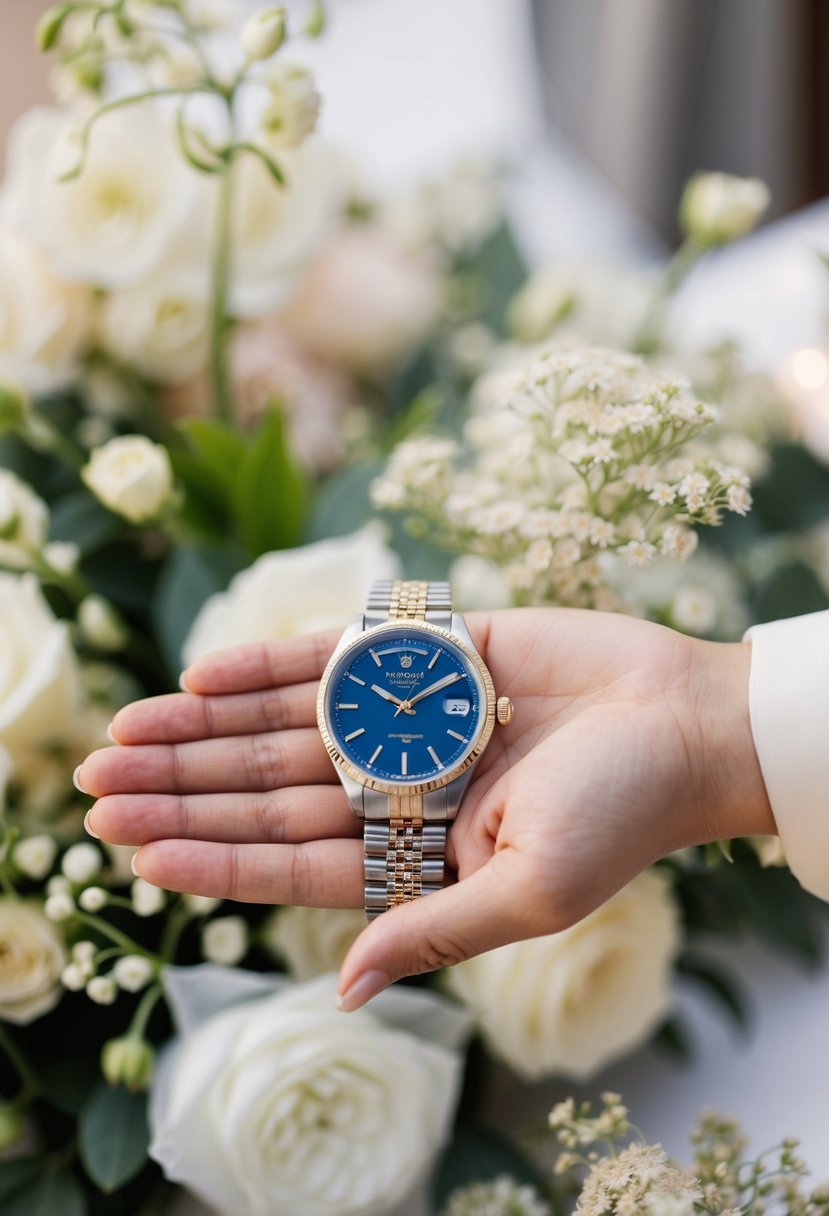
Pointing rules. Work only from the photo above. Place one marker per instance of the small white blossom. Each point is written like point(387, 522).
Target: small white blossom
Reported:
point(147, 900)
point(225, 940)
point(34, 856)
point(739, 500)
point(58, 884)
point(720, 207)
point(93, 899)
point(133, 972)
point(539, 555)
point(84, 951)
point(501, 1197)
point(263, 33)
point(200, 905)
point(74, 977)
point(663, 494)
point(62, 555)
point(81, 863)
point(100, 624)
point(59, 907)
point(102, 990)
point(293, 105)
point(638, 552)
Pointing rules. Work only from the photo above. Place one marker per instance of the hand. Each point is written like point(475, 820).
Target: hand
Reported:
point(628, 741)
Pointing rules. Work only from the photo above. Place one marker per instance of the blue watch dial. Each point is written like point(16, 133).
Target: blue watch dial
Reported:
point(405, 706)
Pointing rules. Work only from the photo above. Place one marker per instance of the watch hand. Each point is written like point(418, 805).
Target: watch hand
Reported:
point(425, 692)
point(389, 696)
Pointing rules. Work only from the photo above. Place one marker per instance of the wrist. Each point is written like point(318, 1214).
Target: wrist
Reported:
point(733, 790)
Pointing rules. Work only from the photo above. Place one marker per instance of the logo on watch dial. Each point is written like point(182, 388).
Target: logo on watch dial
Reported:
point(405, 660)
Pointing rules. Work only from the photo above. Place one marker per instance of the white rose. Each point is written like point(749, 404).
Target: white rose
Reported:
point(282, 1104)
point(365, 302)
point(24, 522)
point(44, 322)
point(570, 1003)
point(313, 940)
point(277, 229)
point(39, 684)
point(719, 207)
point(293, 105)
point(132, 476)
point(114, 223)
point(293, 591)
point(32, 957)
point(161, 326)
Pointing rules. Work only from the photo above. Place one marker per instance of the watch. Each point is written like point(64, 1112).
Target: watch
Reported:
point(405, 708)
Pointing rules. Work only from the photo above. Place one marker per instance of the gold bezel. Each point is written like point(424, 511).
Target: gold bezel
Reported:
point(421, 787)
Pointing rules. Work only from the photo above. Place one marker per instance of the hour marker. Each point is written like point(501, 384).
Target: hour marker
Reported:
point(404, 764)
point(435, 756)
point(356, 679)
point(355, 734)
point(433, 660)
point(376, 753)
point(376, 658)
point(344, 705)
point(455, 735)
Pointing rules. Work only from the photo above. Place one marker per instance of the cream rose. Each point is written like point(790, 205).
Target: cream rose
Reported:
point(39, 685)
point(44, 322)
point(161, 326)
point(32, 957)
point(365, 302)
point(24, 521)
point(278, 229)
point(132, 476)
point(282, 1104)
point(570, 1003)
point(293, 591)
point(313, 940)
point(117, 221)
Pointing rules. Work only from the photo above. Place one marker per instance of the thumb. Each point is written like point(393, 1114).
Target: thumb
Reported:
point(485, 910)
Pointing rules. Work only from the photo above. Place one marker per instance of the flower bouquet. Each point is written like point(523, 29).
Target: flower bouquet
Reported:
point(225, 372)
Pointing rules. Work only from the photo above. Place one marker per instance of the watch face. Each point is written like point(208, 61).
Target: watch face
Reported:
point(405, 707)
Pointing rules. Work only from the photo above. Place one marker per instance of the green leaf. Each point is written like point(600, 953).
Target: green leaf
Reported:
point(121, 575)
point(18, 1173)
point(49, 1194)
point(479, 1154)
point(672, 1039)
point(113, 1136)
point(67, 1083)
point(500, 264)
point(795, 492)
point(791, 591)
point(271, 491)
point(343, 504)
point(80, 518)
point(719, 984)
point(218, 449)
point(189, 577)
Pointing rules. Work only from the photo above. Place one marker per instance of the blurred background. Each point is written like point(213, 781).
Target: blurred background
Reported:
point(638, 92)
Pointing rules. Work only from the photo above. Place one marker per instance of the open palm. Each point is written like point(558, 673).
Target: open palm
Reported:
point(628, 741)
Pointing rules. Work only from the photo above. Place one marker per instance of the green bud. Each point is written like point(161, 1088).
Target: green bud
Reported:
point(11, 1125)
point(48, 31)
point(317, 22)
point(718, 207)
point(128, 1061)
point(12, 407)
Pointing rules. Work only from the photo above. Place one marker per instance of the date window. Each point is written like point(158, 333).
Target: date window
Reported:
point(459, 707)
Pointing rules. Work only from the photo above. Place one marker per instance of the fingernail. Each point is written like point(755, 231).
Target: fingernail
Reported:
point(110, 735)
point(363, 989)
point(133, 865)
point(182, 682)
point(87, 828)
point(76, 780)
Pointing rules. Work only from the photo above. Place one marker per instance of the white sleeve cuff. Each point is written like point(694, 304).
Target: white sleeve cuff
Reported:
point(789, 707)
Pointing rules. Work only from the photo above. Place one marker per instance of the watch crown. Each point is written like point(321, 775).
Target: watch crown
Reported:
point(504, 710)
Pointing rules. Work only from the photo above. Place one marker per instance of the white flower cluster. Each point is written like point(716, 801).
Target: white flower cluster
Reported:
point(588, 453)
point(501, 1197)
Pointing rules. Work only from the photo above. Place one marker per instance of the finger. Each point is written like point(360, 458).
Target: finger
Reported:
point(320, 874)
point(249, 762)
point(180, 717)
point(485, 910)
point(262, 664)
point(288, 816)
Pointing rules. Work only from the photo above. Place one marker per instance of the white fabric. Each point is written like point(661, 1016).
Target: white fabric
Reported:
point(789, 706)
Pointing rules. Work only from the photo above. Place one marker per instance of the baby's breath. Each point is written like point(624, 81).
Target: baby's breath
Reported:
point(586, 459)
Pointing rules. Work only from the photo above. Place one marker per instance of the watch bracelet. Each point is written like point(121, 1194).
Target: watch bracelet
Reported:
point(403, 853)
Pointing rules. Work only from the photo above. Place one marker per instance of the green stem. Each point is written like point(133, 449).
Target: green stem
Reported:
point(141, 1017)
point(40, 433)
point(177, 922)
point(24, 1069)
point(115, 935)
point(220, 323)
point(649, 337)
